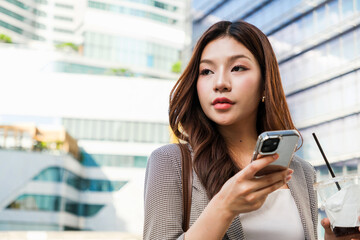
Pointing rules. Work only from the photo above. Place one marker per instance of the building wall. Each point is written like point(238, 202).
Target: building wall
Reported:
point(44, 21)
point(317, 46)
point(110, 90)
point(145, 37)
point(81, 198)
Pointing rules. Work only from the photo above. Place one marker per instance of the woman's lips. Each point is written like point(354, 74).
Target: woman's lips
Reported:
point(222, 103)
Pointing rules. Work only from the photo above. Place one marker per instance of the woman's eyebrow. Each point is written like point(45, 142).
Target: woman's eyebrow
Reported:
point(206, 61)
point(230, 59)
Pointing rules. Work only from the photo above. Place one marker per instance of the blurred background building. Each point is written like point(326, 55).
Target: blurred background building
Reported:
point(317, 44)
point(85, 87)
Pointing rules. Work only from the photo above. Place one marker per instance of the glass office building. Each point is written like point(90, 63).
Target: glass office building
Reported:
point(137, 38)
point(317, 44)
point(103, 70)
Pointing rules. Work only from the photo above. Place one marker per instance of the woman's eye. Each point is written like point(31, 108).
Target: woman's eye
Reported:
point(238, 69)
point(205, 72)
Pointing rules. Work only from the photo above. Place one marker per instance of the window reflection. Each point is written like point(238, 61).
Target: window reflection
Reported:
point(347, 8)
point(58, 174)
point(33, 202)
point(339, 96)
point(338, 139)
point(334, 12)
point(328, 57)
point(118, 130)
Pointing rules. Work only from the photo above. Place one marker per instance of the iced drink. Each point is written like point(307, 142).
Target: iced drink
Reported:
point(342, 207)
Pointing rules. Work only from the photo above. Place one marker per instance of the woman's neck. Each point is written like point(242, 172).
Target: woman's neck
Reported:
point(241, 142)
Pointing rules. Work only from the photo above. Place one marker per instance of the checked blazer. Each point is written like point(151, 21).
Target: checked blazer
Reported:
point(163, 197)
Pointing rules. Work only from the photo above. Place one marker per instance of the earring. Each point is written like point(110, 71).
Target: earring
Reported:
point(263, 99)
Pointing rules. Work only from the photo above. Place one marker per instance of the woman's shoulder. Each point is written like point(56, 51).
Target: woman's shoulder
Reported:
point(169, 150)
point(166, 155)
point(306, 166)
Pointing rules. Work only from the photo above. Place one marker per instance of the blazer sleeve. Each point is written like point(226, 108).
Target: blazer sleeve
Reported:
point(314, 202)
point(163, 195)
point(310, 175)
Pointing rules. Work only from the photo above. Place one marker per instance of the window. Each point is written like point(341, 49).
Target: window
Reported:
point(11, 27)
point(38, 12)
point(19, 4)
point(63, 18)
point(132, 11)
point(60, 5)
point(347, 8)
point(63, 30)
point(348, 43)
point(58, 174)
point(12, 14)
point(321, 21)
point(334, 12)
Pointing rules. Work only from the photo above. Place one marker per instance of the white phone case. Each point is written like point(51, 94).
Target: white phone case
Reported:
point(286, 148)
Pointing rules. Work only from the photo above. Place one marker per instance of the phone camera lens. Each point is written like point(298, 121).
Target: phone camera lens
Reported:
point(270, 145)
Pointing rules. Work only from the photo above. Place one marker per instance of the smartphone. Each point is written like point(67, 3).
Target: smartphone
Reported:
point(282, 142)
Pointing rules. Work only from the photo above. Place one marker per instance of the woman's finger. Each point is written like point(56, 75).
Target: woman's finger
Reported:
point(259, 194)
point(326, 225)
point(268, 180)
point(250, 170)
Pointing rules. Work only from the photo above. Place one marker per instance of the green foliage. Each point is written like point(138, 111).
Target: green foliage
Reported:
point(176, 67)
point(120, 72)
point(59, 144)
point(5, 38)
point(65, 45)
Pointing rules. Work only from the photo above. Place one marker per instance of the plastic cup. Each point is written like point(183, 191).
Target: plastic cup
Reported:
point(342, 207)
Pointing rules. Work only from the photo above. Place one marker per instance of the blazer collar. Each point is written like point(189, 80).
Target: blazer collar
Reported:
point(299, 190)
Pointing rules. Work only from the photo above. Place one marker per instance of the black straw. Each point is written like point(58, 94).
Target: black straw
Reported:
point(326, 161)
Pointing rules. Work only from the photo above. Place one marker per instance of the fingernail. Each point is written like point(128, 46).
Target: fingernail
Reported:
point(288, 178)
point(289, 171)
point(276, 156)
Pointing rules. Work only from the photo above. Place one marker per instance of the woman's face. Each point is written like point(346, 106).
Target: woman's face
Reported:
point(229, 83)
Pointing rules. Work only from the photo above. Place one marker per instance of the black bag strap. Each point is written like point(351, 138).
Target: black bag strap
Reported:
point(186, 180)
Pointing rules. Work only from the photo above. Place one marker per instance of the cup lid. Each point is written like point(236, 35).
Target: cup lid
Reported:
point(340, 179)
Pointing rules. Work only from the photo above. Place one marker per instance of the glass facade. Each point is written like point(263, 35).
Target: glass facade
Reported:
point(129, 51)
point(329, 100)
point(133, 12)
point(63, 18)
point(68, 67)
point(123, 131)
point(21, 19)
point(96, 160)
point(314, 22)
point(157, 4)
point(62, 5)
point(25, 226)
point(19, 4)
point(31, 22)
point(34, 202)
point(57, 174)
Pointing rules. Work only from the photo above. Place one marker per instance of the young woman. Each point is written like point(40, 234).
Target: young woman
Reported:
point(229, 93)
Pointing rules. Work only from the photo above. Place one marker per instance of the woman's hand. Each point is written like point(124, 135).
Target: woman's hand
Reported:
point(242, 193)
point(245, 193)
point(329, 234)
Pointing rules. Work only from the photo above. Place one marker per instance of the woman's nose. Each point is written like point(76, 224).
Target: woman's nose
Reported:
point(222, 84)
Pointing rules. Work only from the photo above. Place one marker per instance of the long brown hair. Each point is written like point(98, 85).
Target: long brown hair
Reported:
point(212, 161)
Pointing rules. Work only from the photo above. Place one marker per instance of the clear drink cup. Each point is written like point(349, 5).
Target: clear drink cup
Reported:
point(342, 207)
